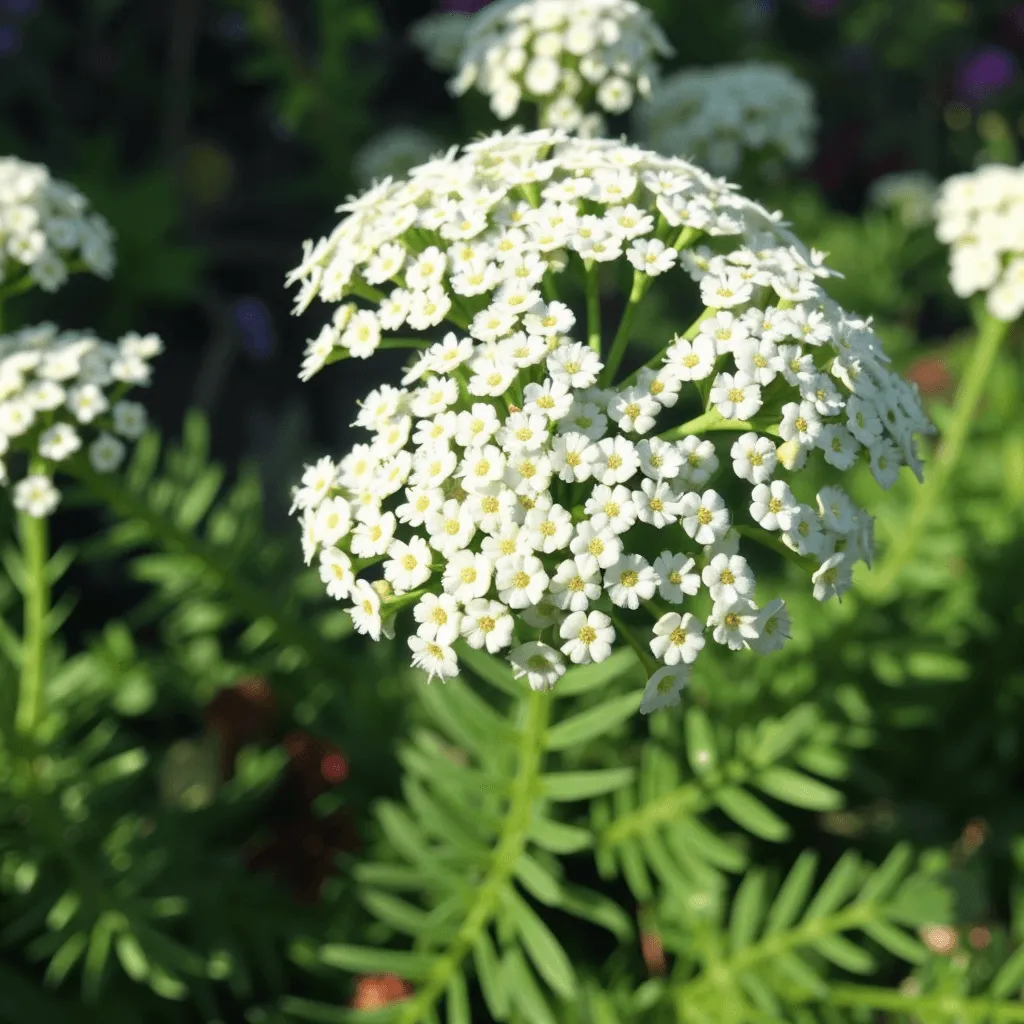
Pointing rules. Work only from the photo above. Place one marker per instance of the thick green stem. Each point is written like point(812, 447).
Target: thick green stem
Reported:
point(507, 854)
point(34, 536)
point(593, 307)
point(991, 333)
point(712, 420)
point(640, 285)
point(951, 1007)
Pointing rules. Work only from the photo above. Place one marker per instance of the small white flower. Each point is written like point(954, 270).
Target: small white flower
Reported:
point(573, 456)
point(772, 628)
point(336, 573)
point(772, 505)
point(439, 618)
point(36, 496)
point(539, 663)
point(58, 442)
point(521, 581)
point(734, 625)
point(588, 637)
point(705, 516)
point(754, 458)
point(365, 610)
point(629, 581)
point(677, 577)
point(435, 658)
point(487, 625)
point(467, 576)
point(106, 453)
point(664, 688)
point(728, 578)
point(832, 578)
point(699, 460)
point(601, 544)
point(677, 638)
point(616, 462)
point(735, 396)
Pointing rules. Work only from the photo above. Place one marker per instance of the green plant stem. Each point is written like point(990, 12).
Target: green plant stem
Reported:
point(249, 598)
point(34, 536)
point(506, 856)
point(991, 333)
point(593, 307)
point(640, 285)
point(953, 1006)
point(712, 420)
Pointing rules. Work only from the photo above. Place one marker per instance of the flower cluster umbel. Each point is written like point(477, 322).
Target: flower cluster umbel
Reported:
point(717, 115)
point(518, 491)
point(47, 229)
point(565, 56)
point(980, 214)
point(56, 388)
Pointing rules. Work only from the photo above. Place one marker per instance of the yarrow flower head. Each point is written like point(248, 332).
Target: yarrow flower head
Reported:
point(909, 194)
point(62, 401)
point(980, 215)
point(563, 55)
point(718, 115)
point(47, 229)
point(518, 492)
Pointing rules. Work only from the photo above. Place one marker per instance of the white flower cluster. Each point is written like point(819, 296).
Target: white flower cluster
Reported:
point(513, 491)
point(909, 194)
point(393, 153)
point(981, 215)
point(564, 55)
point(55, 388)
point(46, 228)
point(717, 115)
point(441, 37)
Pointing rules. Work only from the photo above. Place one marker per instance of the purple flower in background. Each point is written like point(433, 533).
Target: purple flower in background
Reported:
point(252, 319)
point(10, 40)
point(463, 6)
point(983, 73)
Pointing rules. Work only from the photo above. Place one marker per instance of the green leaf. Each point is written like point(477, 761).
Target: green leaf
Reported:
point(1009, 977)
point(586, 784)
point(838, 885)
point(701, 751)
point(589, 725)
point(538, 881)
point(898, 942)
point(598, 909)
point(748, 812)
point(799, 790)
point(490, 669)
point(584, 678)
point(393, 911)
point(884, 879)
point(457, 1000)
point(96, 956)
point(523, 989)
point(845, 954)
point(489, 975)
point(131, 956)
point(557, 836)
point(747, 911)
point(367, 960)
point(544, 950)
point(65, 958)
point(793, 894)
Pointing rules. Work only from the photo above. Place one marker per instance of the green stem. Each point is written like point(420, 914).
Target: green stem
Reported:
point(34, 535)
point(951, 1006)
point(711, 420)
point(641, 282)
point(506, 856)
point(991, 333)
point(593, 307)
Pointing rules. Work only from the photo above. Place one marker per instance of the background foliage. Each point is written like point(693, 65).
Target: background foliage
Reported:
point(238, 811)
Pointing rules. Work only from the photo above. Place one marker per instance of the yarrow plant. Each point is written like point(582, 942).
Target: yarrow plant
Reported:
point(563, 55)
point(56, 389)
point(47, 230)
point(717, 115)
point(980, 214)
point(518, 491)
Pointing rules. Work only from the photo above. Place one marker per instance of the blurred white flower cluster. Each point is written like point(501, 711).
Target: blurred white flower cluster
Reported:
point(717, 115)
point(393, 153)
point(440, 37)
point(517, 490)
point(47, 229)
point(564, 55)
point(980, 214)
point(909, 194)
point(61, 396)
